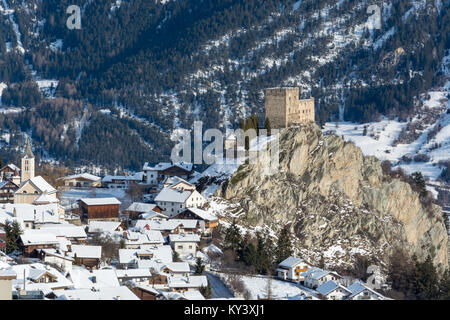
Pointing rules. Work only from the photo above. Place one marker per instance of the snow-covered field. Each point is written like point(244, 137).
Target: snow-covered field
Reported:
point(72, 195)
point(381, 135)
point(257, 287)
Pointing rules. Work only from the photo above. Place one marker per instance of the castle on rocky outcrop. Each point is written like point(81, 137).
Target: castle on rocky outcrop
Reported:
point(284, 108)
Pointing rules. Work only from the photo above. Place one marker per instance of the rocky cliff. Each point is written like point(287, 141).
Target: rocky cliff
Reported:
point(337, 202)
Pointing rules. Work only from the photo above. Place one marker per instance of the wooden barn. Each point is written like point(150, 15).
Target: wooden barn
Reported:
point(103, 209)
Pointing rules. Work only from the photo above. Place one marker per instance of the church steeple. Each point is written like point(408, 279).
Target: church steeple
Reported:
point(27, 165)
point(28, 151)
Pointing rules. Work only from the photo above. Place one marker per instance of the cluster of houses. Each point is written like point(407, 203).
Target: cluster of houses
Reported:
point(157, 243)
point(325, 284)
point(67, 267)
point(150, 176)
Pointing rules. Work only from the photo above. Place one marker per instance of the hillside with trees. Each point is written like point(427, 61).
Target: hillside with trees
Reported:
point(146, 68)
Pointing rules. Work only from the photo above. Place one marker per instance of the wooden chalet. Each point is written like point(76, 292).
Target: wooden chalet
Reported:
point(103, 209)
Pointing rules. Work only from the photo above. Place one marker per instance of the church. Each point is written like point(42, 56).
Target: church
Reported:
point(33, 189)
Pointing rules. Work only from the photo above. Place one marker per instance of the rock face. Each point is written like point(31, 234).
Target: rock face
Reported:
point(337, 201)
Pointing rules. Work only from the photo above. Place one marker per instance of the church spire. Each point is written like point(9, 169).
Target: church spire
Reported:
point(28, 152)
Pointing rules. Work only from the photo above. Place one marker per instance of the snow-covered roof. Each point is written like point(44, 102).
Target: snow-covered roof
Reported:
point(178, 267)
point(187, 281)
point(187, 295)
point(202, 214)
point(149, 288)
point(86, 176)
point(133, 273)
point(42, 185)
point(172, 182)
point(329, 287)
point(290, 262)
point(166, 165)
point(141, 207)
point(161, 254)
point(100, 201)
point(317, 273)
point(153, 236)
point(56, 253)
point(152, 214)
point(28, 212)
point(65, 230)
point(139, 176)
point(164, 225)
point(91, 252)
point(184, 238)
point(32, 273)
point(172, 195)
point(103, 226)
point(11, 166)
point(8, 273)
point(357, 287)
point(104, 293)
point(187, 223)
point(36, 236)
point(103, 278)
point(148, 237)
point(45, 199)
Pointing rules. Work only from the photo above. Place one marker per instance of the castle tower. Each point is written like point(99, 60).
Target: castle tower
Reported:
point(284, 108)
point(27, 164)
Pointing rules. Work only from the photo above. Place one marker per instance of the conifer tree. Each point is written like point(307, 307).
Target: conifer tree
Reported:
point(233, 237)
point(13, 232)
point(206, 291)
point(199, 267)
point(284, 245)
point(426, 280)
point(444, 286)
point(250, 256)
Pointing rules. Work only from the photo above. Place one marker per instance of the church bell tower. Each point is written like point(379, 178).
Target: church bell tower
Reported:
point(27, 165)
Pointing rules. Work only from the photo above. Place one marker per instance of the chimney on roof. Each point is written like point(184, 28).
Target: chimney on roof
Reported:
point(15, 212)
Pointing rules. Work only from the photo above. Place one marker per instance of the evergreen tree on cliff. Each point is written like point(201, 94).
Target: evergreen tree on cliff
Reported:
point(284, 245)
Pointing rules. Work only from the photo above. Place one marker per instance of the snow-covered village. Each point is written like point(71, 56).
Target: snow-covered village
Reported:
point(230, 155)
point(170, 232)
point(163, 246)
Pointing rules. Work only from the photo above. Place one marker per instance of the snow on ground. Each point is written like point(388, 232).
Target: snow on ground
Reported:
point(56, 45)
point(72, 195)
point(3, 86)
point(257, 287)
point(212, 248)
point(381, 135)
point(4, 8)
point(47, 87)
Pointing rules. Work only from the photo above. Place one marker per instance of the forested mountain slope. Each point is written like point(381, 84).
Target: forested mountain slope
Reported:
point(138, 69)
